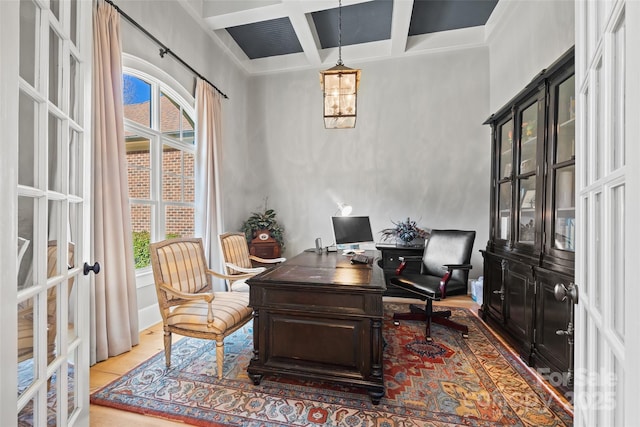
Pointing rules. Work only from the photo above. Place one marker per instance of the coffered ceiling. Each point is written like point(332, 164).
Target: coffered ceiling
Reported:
point(267, 36)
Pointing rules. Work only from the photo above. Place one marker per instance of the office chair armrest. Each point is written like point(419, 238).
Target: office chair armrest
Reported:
point(253, 271)
point(447, 276)
point(458, 266)
point(404, 260)
point(266, 260)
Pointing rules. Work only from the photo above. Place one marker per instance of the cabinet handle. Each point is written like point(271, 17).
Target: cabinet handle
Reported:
point(500, 292)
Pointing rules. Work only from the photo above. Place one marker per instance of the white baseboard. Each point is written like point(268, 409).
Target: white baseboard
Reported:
point(148, 317)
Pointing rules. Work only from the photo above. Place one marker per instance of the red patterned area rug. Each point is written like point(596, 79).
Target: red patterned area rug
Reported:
point(451, 381)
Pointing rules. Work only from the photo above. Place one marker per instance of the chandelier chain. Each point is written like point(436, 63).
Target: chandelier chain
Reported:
point(340, 32)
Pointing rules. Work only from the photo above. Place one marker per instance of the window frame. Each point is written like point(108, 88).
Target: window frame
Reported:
point(159, 82)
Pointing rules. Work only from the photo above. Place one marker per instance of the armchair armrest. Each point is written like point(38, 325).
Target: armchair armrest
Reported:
point(208, 297)
point(232, 276)
point(252, 271)
point(404, 260)
point(266, 260)
point(452, 267)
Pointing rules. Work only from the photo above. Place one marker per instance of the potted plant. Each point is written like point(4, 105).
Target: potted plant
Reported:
point(404, 231)
point(265, 220)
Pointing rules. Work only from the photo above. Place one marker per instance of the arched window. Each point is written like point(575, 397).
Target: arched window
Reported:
point(159, 134)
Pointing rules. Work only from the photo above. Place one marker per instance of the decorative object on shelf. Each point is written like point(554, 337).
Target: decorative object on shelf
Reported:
point(405, 231)
point(340, 89)
point(260, 223)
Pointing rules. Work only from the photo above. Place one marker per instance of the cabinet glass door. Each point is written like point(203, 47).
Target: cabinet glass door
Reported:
point(526, 174)
point(505, 168)
point(563, 167)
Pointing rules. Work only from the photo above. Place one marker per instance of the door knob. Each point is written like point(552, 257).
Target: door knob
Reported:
point(562, 292)
point(95, 268)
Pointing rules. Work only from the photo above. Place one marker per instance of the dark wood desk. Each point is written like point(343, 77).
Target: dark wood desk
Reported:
point(319, 317)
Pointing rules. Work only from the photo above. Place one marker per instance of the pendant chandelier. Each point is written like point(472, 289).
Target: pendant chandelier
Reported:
point(340, 87)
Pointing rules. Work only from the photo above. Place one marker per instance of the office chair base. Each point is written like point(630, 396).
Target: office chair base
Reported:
point(439, 317)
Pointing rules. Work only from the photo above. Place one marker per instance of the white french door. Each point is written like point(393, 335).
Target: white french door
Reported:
point(608, 191)
point(46, 55)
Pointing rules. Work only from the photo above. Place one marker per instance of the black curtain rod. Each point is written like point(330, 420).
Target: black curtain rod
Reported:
point(163, 49)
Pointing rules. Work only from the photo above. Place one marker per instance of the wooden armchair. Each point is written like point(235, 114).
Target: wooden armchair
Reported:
point(187, 303)
point(239, 262)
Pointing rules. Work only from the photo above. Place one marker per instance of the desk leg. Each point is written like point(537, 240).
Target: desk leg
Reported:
point(256, 378)
point(376, 350)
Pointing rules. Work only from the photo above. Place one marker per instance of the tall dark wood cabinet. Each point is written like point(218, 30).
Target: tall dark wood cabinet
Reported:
point(531, 239)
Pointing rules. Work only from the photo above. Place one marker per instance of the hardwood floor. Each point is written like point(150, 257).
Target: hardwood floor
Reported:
point(151, 343)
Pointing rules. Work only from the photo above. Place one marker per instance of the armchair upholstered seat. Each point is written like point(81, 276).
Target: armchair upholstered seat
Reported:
point(238, 261)
point(444, 271)
point(187, 303)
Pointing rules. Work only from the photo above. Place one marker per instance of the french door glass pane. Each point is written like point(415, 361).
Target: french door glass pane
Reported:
point(54, 5)
point(528, 139)
point(139, 167)
point(566, 131)
point(73, 88)
point(596, 118)
point(75, 153)
point(27, 110)
point(597, 256)
point(28, 41)
point(526, 232)
point(25, 416)
point(618, 72)
point(26, 344)
point(55, 65)
point(73, 23)
point(565, 212)
point(26, 212)
point(137, 100)
point(617, 283)
point(55, 125)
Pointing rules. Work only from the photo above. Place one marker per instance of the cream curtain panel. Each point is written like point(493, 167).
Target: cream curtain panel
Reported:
point(114, 311)
point(208, 136)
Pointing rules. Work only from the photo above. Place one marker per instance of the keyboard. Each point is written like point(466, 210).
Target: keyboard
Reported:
point(360, 259)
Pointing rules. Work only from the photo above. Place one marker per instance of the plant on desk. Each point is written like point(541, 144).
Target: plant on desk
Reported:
point(404, 231)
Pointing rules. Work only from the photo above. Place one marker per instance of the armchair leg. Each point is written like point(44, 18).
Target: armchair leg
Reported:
point(220, 357)
point(167, 348)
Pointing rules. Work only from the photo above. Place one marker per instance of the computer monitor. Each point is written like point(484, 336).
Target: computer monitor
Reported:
point(349, 231)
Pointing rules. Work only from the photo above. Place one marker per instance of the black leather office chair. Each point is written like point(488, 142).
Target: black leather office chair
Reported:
point(444, 271)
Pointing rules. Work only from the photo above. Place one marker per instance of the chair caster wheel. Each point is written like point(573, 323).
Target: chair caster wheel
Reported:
point(465, 336)
point(395, 322)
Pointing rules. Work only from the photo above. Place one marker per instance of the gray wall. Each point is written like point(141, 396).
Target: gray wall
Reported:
point(419, 148)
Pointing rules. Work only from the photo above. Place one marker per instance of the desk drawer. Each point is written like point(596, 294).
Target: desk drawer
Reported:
point(391, 260)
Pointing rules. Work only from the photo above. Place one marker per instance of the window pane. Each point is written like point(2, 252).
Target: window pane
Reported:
point(137, 100)
point(528, 139)
point(27, 41)
point(565, 213)
point(506, 150)
point(187, 129)
point(504, 208)
point(565, 146)
point(527, 209)
point(141, 226)
point(170, 117)
point(172, 167)
point(139, 167)
point(180, 221)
